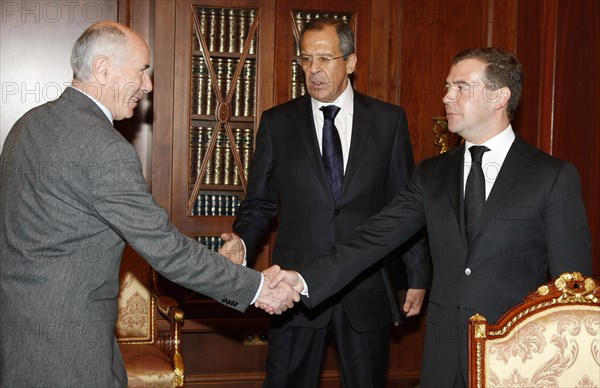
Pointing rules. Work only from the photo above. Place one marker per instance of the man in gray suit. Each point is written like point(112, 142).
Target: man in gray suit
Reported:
point(531, 221)
point(71, 195)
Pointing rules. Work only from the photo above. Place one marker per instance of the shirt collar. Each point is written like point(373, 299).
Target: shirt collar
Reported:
point(102, 107)
point(497, 144)
point(344, 101)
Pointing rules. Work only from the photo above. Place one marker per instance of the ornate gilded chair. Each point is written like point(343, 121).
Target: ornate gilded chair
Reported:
point(552, 339)
point(152, 357)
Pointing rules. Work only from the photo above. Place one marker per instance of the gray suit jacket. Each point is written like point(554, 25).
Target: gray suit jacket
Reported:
point(71, 195)
point(533, 225)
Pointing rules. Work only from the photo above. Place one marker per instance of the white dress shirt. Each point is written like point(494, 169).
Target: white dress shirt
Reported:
point(492, 159)
point(343, 120)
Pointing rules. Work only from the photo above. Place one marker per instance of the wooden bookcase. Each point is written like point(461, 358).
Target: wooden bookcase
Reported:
point(404, 49)
point(218, 66)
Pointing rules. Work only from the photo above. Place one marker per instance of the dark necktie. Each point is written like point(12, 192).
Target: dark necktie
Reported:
point(474, 190)
point(332, 150)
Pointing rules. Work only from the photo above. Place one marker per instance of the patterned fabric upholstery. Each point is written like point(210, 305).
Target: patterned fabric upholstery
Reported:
point(551, 340)
point(136, 307)
point(147, 365)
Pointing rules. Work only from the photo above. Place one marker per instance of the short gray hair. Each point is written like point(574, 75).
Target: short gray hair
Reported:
point(98, 39)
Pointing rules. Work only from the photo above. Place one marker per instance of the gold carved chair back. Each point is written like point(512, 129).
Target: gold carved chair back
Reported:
point(552, 339)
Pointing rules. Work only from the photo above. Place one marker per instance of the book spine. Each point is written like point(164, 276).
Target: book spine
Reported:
point(233, 21)
point(238, 137)
point(228, 161)
point(223, 31)
point(248, 87)
point(217, 159)
point(213, 28)
point(247, 147)
point(208, 175)
point(251, 15)
point(243, 28)
point(200, 89)
point(195, 154)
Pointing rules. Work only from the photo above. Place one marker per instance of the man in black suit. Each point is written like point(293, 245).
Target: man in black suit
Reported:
point(532, 222)
point(290, 178)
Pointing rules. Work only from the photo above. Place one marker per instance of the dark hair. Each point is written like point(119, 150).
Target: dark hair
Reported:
point(343, 30)
point(502, 70)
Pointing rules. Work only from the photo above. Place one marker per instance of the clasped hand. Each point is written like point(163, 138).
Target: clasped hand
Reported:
point(280, 290)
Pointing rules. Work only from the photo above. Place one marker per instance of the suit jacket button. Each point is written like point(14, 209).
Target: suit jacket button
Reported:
point(468, 271)
point(336, 212)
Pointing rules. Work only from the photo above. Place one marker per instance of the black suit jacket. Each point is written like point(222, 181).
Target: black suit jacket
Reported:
point(288, 180)
point(533, 225)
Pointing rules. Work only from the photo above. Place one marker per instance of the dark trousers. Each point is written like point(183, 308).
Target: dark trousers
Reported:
point(296, 354)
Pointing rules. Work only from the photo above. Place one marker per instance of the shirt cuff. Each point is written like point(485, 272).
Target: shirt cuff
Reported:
point(260, 286)
point(245, 262)
point(305, 289)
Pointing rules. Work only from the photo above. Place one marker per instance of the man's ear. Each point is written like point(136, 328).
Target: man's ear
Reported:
point(503, 97)
point(351, 63)
point(101, 68)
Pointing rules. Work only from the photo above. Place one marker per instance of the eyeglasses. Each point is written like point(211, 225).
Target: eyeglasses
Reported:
point(322, 60)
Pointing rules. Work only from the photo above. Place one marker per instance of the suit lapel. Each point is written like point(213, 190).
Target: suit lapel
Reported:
point(452, 174)
point(305, 127)
point(361, 126)
point(516, 166)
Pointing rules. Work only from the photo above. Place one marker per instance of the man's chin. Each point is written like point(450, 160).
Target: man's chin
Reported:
point(126, 115)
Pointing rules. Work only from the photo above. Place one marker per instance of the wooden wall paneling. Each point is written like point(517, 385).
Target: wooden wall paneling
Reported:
point(385, 51)
point(384, 80)
point(432, 32)
point(529, 52)
point(139, 16)
point(547, 72)
point(575, 136)
point(163, 100)
point(502, 24)
point(220, 353)
point(181, 117)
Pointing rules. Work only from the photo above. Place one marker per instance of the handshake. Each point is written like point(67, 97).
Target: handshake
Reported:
point(280, 289)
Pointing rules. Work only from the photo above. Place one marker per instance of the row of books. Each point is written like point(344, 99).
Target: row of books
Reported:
point(206, 95)
point(221, 168)
point(224, 29)
point(302, 17)
point(297, 88)
point(213, 243)
point(216, 204)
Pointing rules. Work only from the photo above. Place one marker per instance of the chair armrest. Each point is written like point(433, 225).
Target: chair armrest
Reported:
point(169, 308)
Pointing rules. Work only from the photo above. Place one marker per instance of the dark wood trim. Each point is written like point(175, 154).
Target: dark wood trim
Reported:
point(164, 99)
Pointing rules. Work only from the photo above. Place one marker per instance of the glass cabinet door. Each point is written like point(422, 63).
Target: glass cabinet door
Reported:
point(222, 112)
